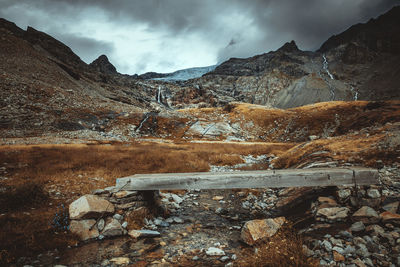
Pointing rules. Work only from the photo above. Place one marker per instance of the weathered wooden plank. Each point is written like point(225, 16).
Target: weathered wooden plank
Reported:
point(250, 179)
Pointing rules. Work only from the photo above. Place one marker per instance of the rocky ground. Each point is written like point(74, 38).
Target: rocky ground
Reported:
point(345, 226)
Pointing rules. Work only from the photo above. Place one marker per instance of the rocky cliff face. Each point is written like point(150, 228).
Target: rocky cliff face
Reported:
point(358, 64)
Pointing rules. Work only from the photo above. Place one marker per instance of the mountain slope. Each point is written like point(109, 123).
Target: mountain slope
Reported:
point(358, 64)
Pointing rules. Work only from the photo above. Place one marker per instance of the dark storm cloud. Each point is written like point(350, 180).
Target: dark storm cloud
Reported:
point(226, 28)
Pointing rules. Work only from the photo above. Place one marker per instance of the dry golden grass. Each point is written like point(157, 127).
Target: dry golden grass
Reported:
point(37, 172)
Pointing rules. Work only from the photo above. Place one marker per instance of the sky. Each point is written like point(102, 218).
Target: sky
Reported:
point(139, 36)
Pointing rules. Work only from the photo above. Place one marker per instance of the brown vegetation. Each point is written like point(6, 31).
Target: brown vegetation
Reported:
point(283, 249)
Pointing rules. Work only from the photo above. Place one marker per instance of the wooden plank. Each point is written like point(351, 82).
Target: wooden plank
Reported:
point(250, 179)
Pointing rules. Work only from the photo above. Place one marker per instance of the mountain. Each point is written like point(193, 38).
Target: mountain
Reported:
point(179, 75)
point(45, 88)
point(359, 64)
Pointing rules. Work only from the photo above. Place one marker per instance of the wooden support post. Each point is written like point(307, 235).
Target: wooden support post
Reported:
point(251, 179)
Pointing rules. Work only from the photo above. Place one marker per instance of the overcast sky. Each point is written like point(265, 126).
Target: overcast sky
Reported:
point(166, 35)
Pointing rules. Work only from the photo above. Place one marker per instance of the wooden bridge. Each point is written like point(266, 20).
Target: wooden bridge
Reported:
point(251, 179)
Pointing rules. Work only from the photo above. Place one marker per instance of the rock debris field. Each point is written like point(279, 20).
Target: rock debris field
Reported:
point(341, 226)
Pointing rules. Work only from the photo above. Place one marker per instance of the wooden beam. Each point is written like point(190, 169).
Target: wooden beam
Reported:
point(250, 179)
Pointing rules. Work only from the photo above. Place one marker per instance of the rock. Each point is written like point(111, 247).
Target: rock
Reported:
point(362, 251)
point(118, 217)
point(343, 194)
point(224, 258)
point(337, 256)
point(256, 230)
point(113, 228)
point(100, 224)
point(388, 217)
point(373, 193)
point(366, 214)
point(333, 214)
point(357, 227)
point(143, 233)
point(177, 220)
point(327, 245)
point(218, 198)
point(313, 137)
point(375, 229)
point(82, 229)
point(327, 200)
point(293, 196)
point(359, 263)
point(90, 206)
point(124, 225)
point(213, 251)
point(120, 261)
point(177, 199)
point(391, 207)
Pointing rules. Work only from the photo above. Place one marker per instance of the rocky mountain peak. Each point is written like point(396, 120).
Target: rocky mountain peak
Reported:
point(289, 47)
point(103, 65)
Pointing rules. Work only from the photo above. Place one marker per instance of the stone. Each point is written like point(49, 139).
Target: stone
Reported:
point(213, 251)
point(177, 199)
point(333, 214)
point(374, 229)
point(143, 233)
point(177, 220)
point(343, 194)
point(359, 263)
point(327, 245)
point(367, 215)
point(373, 193)
point(218, 198)
point(362, 251)
point(124, 225)
point(82, 229)
point(388, 217)
point(120, 261)
point(391, 207)
point(113, 228)
point(357, 227)
point(337, 256)
point(100, 224)
point(118, 217)
point(224, 258)
point(90, 206)
point(256, 230)
point(327, 200)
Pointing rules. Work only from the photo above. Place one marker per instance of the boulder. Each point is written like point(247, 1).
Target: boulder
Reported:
point(256, 230)
point(332, 214)
point(367, 215)
point(113, 228)
point(89, 207)
point(82, 229)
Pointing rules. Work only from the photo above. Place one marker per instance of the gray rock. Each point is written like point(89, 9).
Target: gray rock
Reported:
point(332, 214)
point(327, 245)
point(362, 251)
point(143, 233)
point(178, 220)
point(357, 227)
point(177, 199)
point(195, 258)
point(234, 257)
point(374, 229)
point(373, 193)
point(118, 217)
point(367, 215)
point(213, 251)
point(100, 224)
point(391, 207)
point(343, 194)
point(89, 206)
point(224, 258)
point(349, 250)
point(368, 262)
point(113, 228)
point(124, 225)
